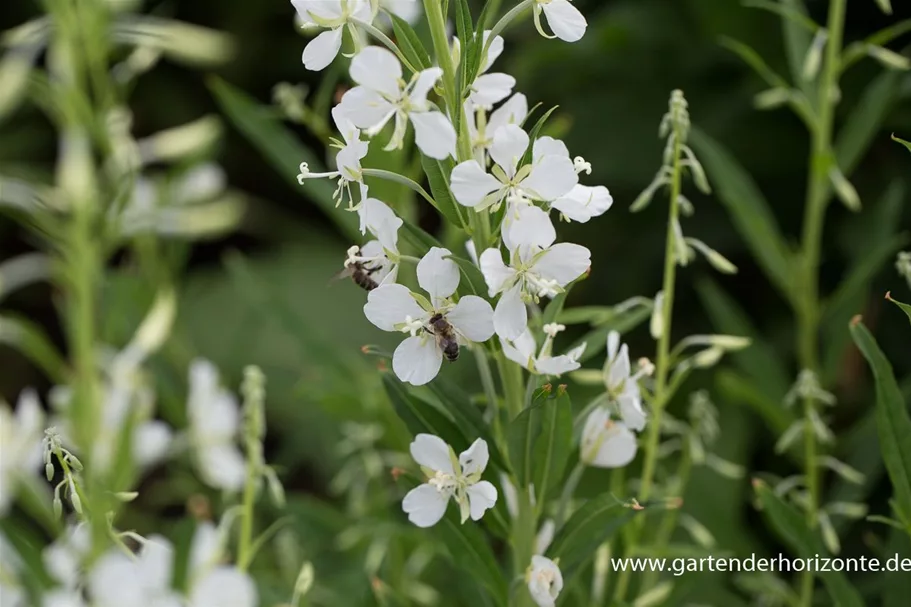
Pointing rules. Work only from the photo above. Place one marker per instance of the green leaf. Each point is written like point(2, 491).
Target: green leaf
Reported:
point(865, 120)
point(438, 172)
point(471, 553)
point(749, 56)
point(892, 419)
point(760, 360)
point(749, 210)
point(473, 278)
point(409, 43)
point(589, 526)
point(465, 33)
point(533, 135)
point(418, 238)
point(907, 144)
point(522, 435)
point(553, 447)
point(905, 307)
point(791, 525)
point(897, 584)
point(281, 149)
point(30, 339)
point(797, 40)
point(737, 389)
point(467, 417)
point(596, 340)
point(420, 417)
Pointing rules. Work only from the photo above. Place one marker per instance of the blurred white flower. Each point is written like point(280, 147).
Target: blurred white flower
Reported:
point(436, 326)
point(448, 477)
point(347, 161)
point(522, 351)
point(537, 268)
point(409, 10)
point(622, 385)
point(487, 89)
point(10, 588)
point(333, 16)
point(548, 176)
point(544, 581)
point(211, 583)
point(63, 558)
point(20, 444)
point(606, 443)
point(382, 95)
point(144, 580)
point(564, 19)
point(583, 202)
point(214, 421)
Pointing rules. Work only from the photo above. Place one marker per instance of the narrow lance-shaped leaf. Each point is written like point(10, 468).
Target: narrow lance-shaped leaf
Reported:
point(907, 144)
point(903, 306)
point(421, 417)
point(409, 43)
point(553, 447)
point(892, 419)
point(471, 553)
point(792, 526)
point(437, 176)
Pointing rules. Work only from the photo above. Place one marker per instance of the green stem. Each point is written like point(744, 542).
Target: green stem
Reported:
point(245, 544)
point(669, 520)
point(568, 489)
point(814, 218)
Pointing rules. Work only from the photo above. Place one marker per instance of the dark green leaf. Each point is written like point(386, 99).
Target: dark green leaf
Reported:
point(438, 172)
point(589, 526)
point(739, 390)
point(792, 526)
point(409, 43)
point(755, 61)
point(865, 120)
point(897, 586)
point(281, 149)
point(421, 417)
point(534, 133)
point(522, 435)
point(596, 340)
point(749, 210)
point(418, 238)
point(473, 278)
point(797, 40)
point(465, 33)
point(471, 553)
point(907, 144)
point(760, 360)
point(904, 307)
point(32, 342)
point(892, 420)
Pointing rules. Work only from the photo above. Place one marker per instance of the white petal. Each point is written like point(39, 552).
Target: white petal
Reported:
point(545, 536)
point(618, 370)
point(425, 505)
point(548, 146)
point(510, 319)
point(222, 466)
point(470, 183)
point(432, 452)
point(605, 443)
point(472, 318)
point(565, 20)
point(544, 581)
point(115, 581)
point(491, 88)
point(434, 134)
point(409, 10)
point(425, 81)
point(510, 495)
point(322, 50)
point(150, 443)
point(521, 350)
point(366, 108)
point(224, 587)
point(389, 305)
point(381, 221)
point(206, 549)
point(416, 360)
point(437, 274)
point(327, 10)
point(377, 69)
point(556, 365)
point(343, 124)
point(493, 51)
point(631, 412)
point(472, 252)
point(513, 111)
point(528, 226)
point(582, 203)
point(564, 262)
point(482, 496)
point(552, 177)
point(509, 144)
point(613, 345)
point(475, 458)
point(156, 561)
point(496, 273)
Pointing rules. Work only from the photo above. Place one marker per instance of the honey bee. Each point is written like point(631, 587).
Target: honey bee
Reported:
point(445, 336)
point(361, 274)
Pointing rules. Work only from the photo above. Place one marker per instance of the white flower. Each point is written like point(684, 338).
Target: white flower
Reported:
point(448, 477)
point(544, 581)
point(622, 385)
point(20, 444)
point(547, 177)
point(332, 15)
point(121, 580)
point(537, 268)
point(212, 584)
point(382, 95)
point(606, 443)
point(347, 161)
point(488, 89)
point(583, 202)
point(214, 421)
point(379, 258)
point(434, 325)
point(564, 19)
point(522, 351)
point(482, 127)
point(63, 559)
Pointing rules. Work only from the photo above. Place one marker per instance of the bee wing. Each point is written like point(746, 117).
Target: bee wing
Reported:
point(345, 273)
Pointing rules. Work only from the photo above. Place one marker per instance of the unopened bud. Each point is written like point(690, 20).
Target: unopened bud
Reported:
point(73, 461)
point(77, 503)
point(58, 507)
point(844, 189)
point(126, 496)
point(656, 325)
point(304, 581)
point(49, 471)
point(887, 58)
point(813, 60)
point(771, 98)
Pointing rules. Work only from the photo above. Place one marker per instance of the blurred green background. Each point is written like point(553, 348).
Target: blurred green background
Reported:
point(264, 294)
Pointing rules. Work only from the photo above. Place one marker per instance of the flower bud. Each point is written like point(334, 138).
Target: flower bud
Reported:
point(656, 325)
point(813, 60)
point(772, 98)
point(126, 496)
point(850, 510)
point(73, 461)
point(844, 190)
point(49, 471)
point(58, 507)
point(74, 499)
point(887, 58)
point(304, 581)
